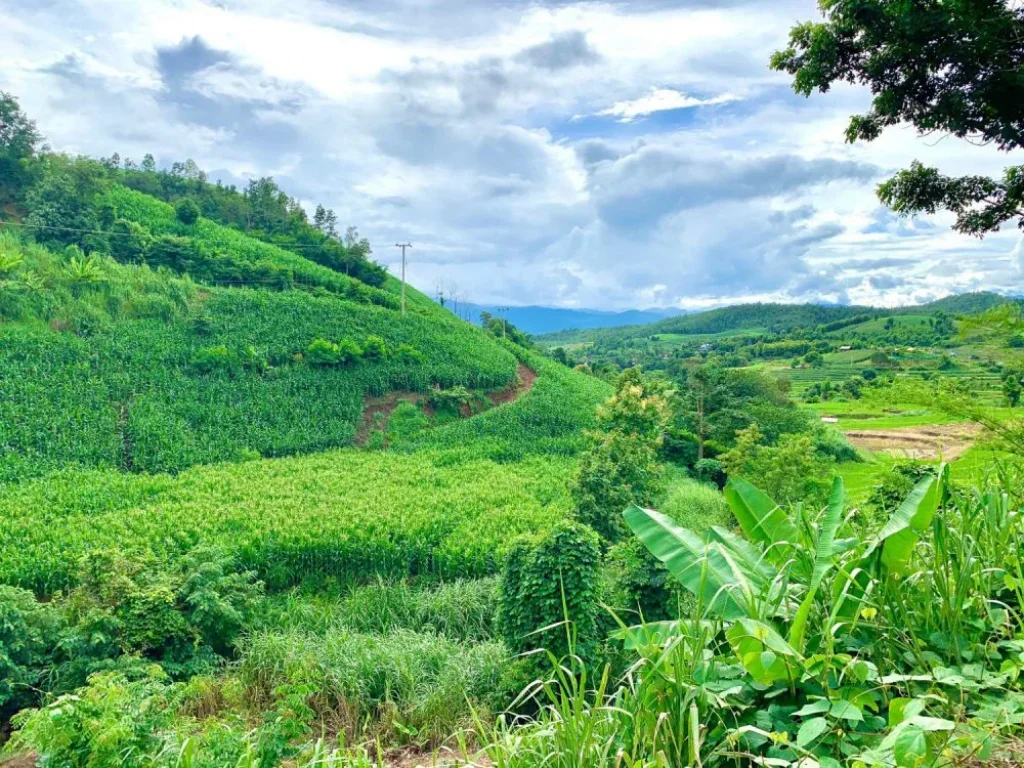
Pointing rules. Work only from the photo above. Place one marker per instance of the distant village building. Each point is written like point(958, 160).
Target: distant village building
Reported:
point(830, 419)
point(845, 348)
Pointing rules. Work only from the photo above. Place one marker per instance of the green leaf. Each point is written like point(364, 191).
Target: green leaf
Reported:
point(901, 709)
point(814, 708)
point(761, 650)
point(810, 731)
point(653, 633)
point(823, 554)
point(911, 747)
point(708, 571)
point(846, 710)
point(901, 532)
point(761, 519)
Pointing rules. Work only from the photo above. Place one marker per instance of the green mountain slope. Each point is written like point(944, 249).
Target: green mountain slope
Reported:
point(772, 318)
point(122, 366)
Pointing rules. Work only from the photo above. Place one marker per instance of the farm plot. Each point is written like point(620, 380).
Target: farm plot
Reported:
point(947, 442)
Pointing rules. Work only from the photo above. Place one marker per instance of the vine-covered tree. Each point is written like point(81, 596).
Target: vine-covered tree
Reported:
point(19, 139)
point(944, 66)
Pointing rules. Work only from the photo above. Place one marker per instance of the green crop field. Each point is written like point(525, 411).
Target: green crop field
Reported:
point(346, 514)
point(129, 390)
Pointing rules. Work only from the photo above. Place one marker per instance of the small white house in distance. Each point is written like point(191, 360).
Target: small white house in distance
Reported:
point(830, 419)
point(845, 348)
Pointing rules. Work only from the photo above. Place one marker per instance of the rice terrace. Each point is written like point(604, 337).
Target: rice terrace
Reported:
point(653, 417)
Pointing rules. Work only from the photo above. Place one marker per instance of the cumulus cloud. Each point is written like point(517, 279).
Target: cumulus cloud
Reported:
point(455, 126)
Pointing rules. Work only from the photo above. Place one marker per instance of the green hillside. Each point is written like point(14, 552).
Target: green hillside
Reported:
point(772, 319)
point(121, 366)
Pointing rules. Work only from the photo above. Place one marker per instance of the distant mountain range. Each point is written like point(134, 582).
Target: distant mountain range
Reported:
point(773, 318)
point(537, 320)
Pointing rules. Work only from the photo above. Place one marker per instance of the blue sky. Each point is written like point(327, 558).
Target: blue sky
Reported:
point(593, 154)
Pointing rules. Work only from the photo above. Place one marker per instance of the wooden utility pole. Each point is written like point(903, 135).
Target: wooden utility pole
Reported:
point(403, 246)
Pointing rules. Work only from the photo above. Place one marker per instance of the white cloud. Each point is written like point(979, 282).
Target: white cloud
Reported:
point(451, 125)
point(660, 100)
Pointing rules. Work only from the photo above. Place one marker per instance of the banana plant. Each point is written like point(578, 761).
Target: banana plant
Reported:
point(777, 571)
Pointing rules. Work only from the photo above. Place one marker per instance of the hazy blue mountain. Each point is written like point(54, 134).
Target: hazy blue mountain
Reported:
point(536, 320)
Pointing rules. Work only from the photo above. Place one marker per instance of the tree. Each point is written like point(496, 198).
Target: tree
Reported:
point(19, 139)
point(325, 220)
point(621, 465)
point(148, 164)
point(187, 211)
point(943, 66)
point(1012, 390)
point(705, 386)
point(791, 471)
point(814, 359)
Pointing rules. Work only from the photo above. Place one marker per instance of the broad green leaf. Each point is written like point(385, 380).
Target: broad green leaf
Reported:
point(814, 708)
point(653, 633)
point(845, 710)
point(823, 554)
point(901, 709)
point(810, 731)
point(705, 570)
point(911, 747)
point(761, 519)
point(762, 651)
point(754, 562)
point(900, 534)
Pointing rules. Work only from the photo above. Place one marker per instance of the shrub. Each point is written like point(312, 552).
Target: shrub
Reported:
point(173, 612)
point(450, 402)
point(129, 242)
point(832, 443)
point(216, 358)
point(407, 421)
point(323, 352)
point(547, 581)
point(408, 354)
point(869, 374)
point(28, 635)
point(349, 351)
point(113, 721)
point(617, 470)
point(187, 212)
point(375, 348)
point(791, 470)
point(710, 471)
point(895, 485)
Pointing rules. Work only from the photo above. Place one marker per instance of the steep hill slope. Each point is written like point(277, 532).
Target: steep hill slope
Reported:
point(122, 366)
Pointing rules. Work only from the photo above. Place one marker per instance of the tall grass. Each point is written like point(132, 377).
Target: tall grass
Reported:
point(405, 686)
point(463, 609)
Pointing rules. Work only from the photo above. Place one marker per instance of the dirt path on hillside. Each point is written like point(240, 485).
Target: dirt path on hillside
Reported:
point(377, 410)
point(948, 441)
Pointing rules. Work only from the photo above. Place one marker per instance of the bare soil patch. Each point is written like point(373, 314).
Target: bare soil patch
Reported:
point(525, 379)
point(377, 410)
point(946, 441)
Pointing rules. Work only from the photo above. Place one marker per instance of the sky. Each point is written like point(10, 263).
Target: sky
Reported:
point(608, 155)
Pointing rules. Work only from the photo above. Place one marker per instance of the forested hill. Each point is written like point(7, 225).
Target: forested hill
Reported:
point(773, 318)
